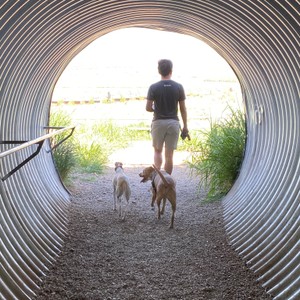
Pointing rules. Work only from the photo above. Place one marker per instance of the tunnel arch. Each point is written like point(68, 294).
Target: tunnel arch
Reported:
point(259, 39)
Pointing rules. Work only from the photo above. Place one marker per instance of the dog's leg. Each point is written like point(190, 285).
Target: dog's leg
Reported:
point(158, 200)
point(172, 219)
point(126, 198)
point(163, 206)
point(153, 197)
point(125, 209)
point(173, 205)
point(119, 198)
point(115, 200)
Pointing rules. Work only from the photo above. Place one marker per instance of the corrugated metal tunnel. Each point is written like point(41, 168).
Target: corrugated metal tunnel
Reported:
point(261, 42)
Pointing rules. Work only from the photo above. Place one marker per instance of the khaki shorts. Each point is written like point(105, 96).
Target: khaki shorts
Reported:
point(165, 132)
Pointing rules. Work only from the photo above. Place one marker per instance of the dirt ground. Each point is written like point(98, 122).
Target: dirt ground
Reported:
point(104, 258)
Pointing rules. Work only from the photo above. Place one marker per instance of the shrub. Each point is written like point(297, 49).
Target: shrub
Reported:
point(218, 153)
point(64, 155)
point(91, 157)
point(65, 159)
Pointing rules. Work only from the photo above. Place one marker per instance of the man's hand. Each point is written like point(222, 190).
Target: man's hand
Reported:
point(150, 106)
point(185, 134)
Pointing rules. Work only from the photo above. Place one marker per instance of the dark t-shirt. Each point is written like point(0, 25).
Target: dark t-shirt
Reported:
point(166, 94)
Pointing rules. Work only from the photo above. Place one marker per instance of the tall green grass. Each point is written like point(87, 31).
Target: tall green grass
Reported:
point(65, 156)
point(217, 154)
point(91, 144)
point(118, 136)
point(92, 156)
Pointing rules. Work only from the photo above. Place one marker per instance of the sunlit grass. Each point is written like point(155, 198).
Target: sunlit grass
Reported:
point(65, 156)
point(90, 146)
point(217, 154)
point(92, 156)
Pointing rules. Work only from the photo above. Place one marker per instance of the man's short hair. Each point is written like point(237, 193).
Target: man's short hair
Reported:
point(165, 67)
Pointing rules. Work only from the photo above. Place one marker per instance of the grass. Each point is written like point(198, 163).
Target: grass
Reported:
point(65, 156)
point(217, 154)
point(90, 146)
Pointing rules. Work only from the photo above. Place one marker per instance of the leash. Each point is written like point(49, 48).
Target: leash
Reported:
point(152, 182)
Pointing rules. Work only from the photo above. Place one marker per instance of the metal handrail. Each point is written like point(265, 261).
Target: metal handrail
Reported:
point(38, 141)
point(65, 138)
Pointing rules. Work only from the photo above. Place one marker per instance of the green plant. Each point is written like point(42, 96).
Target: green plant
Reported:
point(64, 155)
point(137, 132)
point(218, 154)
point(91, 157)
point(108, 131)
point(96, 142)
point(122, 98)
point(115, 136)
point(65, 160)
point(60, 118)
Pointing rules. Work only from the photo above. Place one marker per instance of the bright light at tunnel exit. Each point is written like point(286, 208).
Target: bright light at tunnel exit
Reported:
point(123, 63)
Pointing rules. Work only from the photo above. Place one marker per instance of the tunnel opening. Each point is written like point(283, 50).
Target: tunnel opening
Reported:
point(108, 81)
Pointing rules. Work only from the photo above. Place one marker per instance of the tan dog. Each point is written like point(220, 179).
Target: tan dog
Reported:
point(122, 189)
point(163, 187)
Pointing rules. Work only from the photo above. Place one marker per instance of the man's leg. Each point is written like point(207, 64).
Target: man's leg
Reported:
point(169, 160)
point(171, 141)
point(158, 132)
point(157, 158)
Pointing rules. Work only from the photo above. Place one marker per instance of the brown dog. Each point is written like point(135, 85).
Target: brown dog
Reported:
point(163, 188)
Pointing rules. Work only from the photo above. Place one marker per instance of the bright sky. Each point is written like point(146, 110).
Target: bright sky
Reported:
point(128, 58)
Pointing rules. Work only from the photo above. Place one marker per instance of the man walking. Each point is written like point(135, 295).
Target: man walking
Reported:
point(163, 99)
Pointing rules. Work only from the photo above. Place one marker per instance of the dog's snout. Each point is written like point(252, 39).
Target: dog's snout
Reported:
point(144, 179)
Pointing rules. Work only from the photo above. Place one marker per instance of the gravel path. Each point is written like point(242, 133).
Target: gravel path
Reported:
point(141, 258)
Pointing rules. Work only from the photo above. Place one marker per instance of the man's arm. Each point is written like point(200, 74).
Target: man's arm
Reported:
point(183, 113)
point(149, 105)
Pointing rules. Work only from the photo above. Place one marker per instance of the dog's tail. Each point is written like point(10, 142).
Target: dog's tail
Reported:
point(161, 176)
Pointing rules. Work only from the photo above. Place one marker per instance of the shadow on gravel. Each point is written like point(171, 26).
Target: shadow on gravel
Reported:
point(141, 258)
